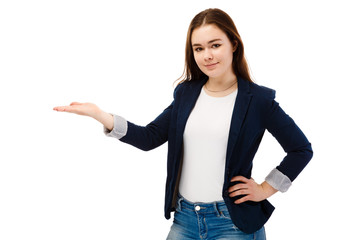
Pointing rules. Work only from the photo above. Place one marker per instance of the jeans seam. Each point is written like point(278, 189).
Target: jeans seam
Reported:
point(206, 232)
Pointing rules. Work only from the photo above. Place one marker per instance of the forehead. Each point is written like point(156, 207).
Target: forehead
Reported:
point(206, 33)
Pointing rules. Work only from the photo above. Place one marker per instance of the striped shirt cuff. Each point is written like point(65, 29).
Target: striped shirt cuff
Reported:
point(278, 180)
point(120, 128)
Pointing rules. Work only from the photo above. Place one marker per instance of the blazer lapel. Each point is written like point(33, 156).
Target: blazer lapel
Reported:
point(242, 102)
point(187, 103)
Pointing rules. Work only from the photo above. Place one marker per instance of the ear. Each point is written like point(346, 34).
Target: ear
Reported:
point(235, 45)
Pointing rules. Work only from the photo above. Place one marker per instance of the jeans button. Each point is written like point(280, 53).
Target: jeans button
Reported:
point(197, 208)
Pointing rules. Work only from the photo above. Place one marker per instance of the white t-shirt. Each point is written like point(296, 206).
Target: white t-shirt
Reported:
point(205, 143)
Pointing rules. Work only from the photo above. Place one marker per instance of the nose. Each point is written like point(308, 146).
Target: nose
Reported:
point(208, 55)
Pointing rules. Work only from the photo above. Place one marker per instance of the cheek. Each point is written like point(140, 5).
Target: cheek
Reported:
point(197, 60)
point(229, 57)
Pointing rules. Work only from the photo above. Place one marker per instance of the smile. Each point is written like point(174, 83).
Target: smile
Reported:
point(211, 65)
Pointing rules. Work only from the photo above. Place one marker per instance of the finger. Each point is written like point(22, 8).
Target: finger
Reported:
point(238, 187)
point(65, 109)
point(59, 108)
point(239, 179)
point(239, 192)
point(243, 199)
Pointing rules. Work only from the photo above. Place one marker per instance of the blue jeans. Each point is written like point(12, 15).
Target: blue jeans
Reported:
point(209, 221)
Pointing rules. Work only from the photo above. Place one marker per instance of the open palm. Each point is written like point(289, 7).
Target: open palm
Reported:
point(86, 109)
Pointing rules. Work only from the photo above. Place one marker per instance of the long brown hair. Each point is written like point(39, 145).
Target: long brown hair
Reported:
point(223, 21)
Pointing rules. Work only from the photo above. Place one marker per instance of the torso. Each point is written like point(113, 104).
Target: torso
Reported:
point(205, 143)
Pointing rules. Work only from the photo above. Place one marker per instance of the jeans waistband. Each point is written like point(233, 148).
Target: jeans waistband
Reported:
point(213, 207)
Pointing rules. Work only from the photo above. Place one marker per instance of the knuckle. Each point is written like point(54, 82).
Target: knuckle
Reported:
point(236, 178)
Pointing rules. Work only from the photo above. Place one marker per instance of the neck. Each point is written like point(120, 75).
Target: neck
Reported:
point(221, 83)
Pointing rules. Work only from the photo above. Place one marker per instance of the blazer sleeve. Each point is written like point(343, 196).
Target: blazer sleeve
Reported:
point(150, 136)
point(297, 147)
point(153, 134)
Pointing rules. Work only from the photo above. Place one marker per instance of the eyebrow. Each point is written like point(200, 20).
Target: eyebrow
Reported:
point(211, 41)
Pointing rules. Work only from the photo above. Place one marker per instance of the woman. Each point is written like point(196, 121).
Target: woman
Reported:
point(213, 128)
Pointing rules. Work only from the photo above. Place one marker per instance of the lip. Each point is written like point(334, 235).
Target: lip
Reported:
point(211, 66)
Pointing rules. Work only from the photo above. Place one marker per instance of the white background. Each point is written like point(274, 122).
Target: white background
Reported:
point(61, 178)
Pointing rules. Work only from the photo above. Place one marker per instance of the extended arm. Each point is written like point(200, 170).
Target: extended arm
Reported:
point(143, 137)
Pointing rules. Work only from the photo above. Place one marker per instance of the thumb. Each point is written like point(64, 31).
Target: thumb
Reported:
point(75, 103)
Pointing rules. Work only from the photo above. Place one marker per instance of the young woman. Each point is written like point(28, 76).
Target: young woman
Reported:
point(213, 128)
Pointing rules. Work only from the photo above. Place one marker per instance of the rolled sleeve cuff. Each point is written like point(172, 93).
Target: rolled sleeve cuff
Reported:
point(120, 128)
point(278, 180)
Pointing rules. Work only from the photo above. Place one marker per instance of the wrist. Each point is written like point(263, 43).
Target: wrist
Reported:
point(97, 114)
point(106, 119)
point(268, 189)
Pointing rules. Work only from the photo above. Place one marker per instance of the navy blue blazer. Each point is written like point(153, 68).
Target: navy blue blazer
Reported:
point(255, 110)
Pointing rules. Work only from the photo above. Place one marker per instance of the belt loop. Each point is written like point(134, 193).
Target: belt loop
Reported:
point(180, 198)
point(218, 213)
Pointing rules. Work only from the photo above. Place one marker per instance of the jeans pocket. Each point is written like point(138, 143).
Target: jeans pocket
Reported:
point(225, 214)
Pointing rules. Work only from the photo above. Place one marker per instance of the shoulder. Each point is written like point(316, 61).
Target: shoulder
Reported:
point(261, 91)
point(180, 88)
point(262, 97)
point(188, 86)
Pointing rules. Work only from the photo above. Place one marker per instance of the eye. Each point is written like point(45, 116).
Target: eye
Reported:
point(198, 49)
point(216, 45)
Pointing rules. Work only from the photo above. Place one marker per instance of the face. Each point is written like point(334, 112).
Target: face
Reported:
point(213, 52)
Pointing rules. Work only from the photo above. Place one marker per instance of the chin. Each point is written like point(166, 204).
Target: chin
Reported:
point(213, 75)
